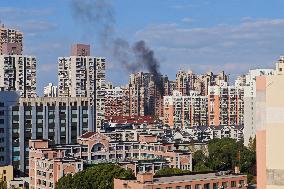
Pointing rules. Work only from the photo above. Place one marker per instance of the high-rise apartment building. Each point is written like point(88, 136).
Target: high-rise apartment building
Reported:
point(11, 41)
point(146, 93)
point(117, 101)
point(50, 90)
point(185, 111)
point(270, 128)
point(60, 120)
point(82, 75)
point(18, 72)
point(225, 104)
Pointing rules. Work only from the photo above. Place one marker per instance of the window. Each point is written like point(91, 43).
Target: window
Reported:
point(51, 120)
point(1, 112)
point(1, 130)
point(198, 186)
point(242, 182)
point(1, 121)
point(215, 185)
point(207, 186)
point(225, 184)
point(1, 104)
point(16, 149)
point(74, 119)
point(233, 184)
point(39, 121)
point(2, 158)
point(178, 187)
point(188, 187)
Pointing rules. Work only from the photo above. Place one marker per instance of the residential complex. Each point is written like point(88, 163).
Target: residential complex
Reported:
point(185, 111)
point(60, 120)
point(82, 75)
point(48, 165)
point(18, 72)
point(195, 181)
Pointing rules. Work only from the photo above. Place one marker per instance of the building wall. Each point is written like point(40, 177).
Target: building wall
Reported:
point(18, 72)
point(61, 120)
point(8, 35)
point(83, 76)
point(7, 100)
point(270, 126)
point(146, 182)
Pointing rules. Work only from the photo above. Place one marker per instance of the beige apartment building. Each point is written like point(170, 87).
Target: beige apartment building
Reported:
point(270, 129)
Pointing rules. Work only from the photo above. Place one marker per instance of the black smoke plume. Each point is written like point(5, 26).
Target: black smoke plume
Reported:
point(97, 17)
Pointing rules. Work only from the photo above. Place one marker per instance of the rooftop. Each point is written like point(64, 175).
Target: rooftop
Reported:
point(187, 178)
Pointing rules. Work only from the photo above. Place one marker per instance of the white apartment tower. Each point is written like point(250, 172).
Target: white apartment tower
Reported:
point(82, 75)
point(50, 90)
point(18, 73)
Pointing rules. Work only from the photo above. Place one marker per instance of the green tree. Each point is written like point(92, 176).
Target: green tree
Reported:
point(99, 176)
point(170, 172)
point(200, 162)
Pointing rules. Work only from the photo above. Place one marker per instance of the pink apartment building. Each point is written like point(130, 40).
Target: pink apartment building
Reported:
point(47, 165)
point(197, 181)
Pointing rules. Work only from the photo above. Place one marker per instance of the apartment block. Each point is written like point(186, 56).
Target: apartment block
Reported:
point(250, 102)
point(189, 81)
point(11, 41)
point(8, 99)
point(50, 91)
point(60, 120)
point(103, 149)
point(48, 165)
point(270, 128)
point(225, 104)
point(117, 101)
point(18, 72)
point(146, 94)
point(82, 75)
point(194, 181)
point(185, 111)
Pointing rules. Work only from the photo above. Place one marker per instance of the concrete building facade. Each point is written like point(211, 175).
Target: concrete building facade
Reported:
point(11, 41)
point(60, 120)
point(270, 128)
point(197, 181)
point(82, 75)
point(18, 72)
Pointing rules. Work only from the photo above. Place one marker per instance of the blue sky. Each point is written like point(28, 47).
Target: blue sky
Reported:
point(201, 35)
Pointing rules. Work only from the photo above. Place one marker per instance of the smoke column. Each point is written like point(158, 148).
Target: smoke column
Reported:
point(97, 16)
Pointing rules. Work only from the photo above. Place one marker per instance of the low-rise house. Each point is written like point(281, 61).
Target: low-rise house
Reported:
point(195, 181)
